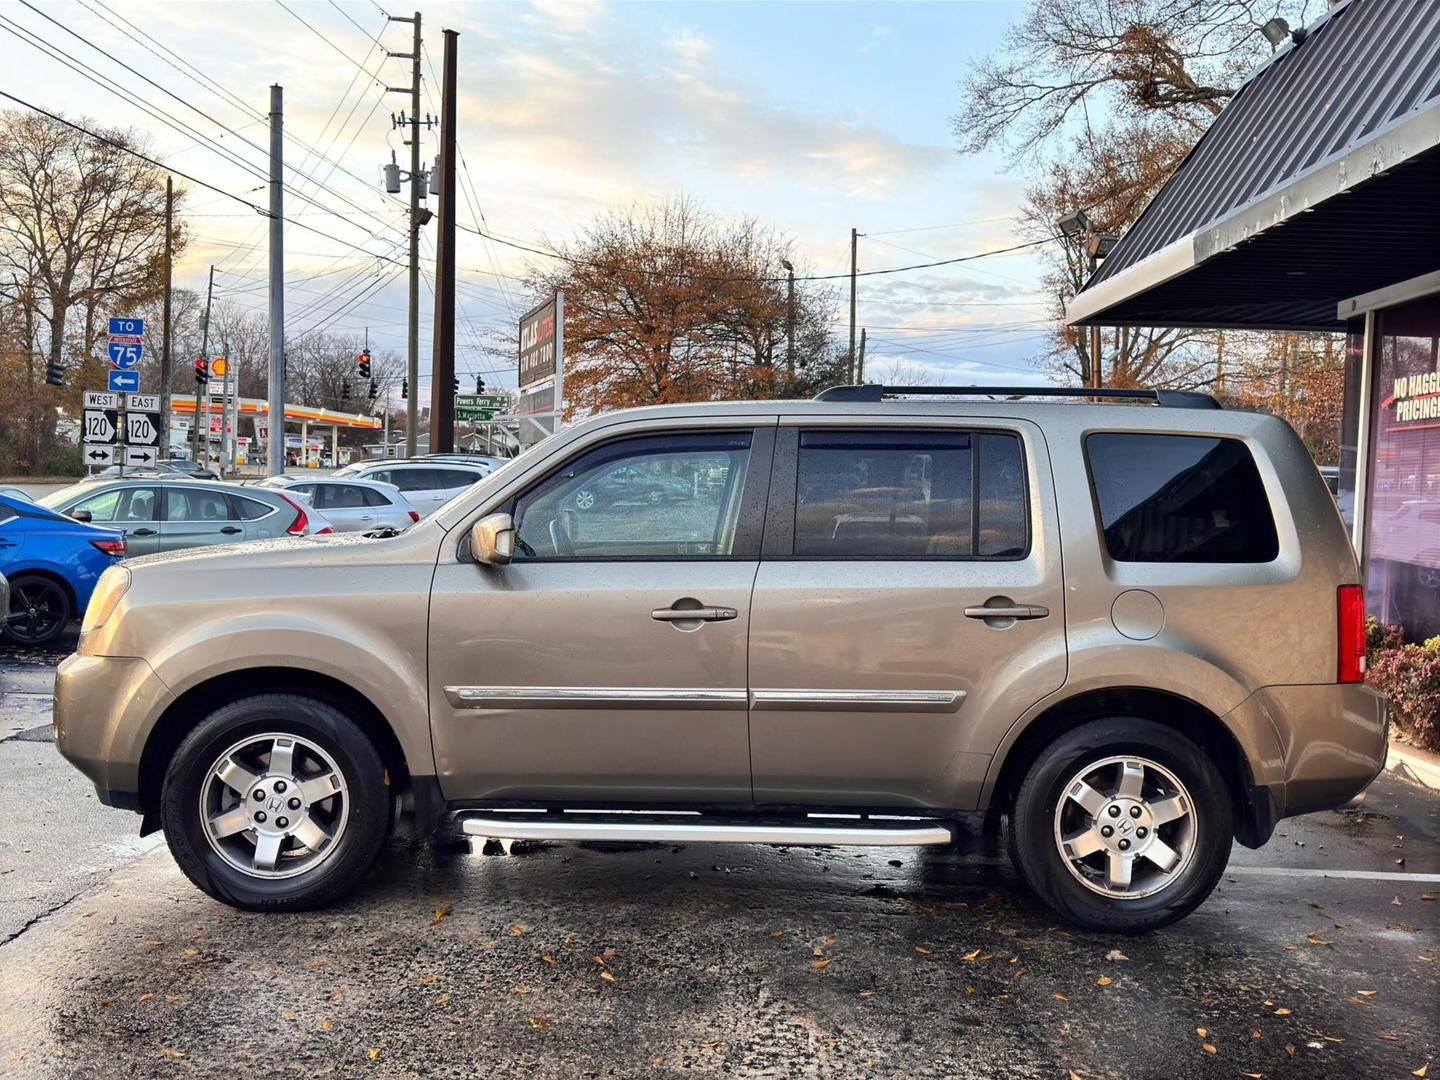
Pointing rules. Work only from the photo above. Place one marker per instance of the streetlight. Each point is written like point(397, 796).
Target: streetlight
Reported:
point(1076, 227)
point(790, 320)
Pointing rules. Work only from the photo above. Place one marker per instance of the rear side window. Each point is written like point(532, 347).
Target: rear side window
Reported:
point(451, 479)
point(1180, 498)
point(248, 509)
point(374, 498)
point(890, 494)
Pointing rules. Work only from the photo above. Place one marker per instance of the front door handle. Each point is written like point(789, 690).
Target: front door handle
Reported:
point(695, 614)
point(1008, 611)
point(143, 532)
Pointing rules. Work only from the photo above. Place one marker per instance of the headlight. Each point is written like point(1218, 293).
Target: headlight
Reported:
point(113, 585)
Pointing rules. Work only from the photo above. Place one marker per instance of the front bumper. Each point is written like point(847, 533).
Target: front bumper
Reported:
point(105, 709)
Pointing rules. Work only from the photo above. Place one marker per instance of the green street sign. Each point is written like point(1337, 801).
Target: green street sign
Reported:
point(465, 412)
point(493, 402)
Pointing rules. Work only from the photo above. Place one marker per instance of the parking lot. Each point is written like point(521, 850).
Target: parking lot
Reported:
point(1318, 956)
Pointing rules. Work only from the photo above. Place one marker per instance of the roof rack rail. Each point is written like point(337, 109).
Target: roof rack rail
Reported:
point(871, 392)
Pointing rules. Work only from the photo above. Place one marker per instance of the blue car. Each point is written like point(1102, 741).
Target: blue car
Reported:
point(52, 563)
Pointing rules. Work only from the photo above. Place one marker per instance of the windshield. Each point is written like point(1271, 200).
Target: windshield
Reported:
point(57, 499)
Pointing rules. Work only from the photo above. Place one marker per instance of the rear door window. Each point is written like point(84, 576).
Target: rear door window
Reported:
point(340, 497)
point(192, 504)
point(897, 494)
point(1180, 498)
point(453, 479)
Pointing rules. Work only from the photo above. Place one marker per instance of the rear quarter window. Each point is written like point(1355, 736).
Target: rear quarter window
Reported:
point(1180, 498)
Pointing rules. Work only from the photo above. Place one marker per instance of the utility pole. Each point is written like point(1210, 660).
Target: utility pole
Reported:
point(860, 368)
point(200, 388)
point(417, 191)
point(275, 444)
point(1096, 380)
point(167, 362)
point(442, 372)
point(790, 319)
point(850, 359)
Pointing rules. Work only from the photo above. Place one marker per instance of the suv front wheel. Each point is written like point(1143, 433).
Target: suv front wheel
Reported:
point(275, 803)
point(1122, 825)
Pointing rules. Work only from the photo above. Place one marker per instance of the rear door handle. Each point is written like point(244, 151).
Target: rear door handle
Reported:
point(143, 532)
point(1008, 611)
point(231, 530)
point(695, 614)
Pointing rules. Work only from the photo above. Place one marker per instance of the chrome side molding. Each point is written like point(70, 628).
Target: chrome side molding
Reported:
point(875, 700)
point(579, 697)
point(496, 826)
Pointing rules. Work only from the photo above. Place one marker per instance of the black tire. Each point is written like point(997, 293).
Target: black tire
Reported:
point(365, 832)
point(1037, 856)
point(40, 610)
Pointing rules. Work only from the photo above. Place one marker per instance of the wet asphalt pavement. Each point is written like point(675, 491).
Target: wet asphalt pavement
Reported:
point(563, 960)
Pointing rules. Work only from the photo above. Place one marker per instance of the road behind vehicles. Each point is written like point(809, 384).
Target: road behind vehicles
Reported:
point(52, 564)
point(350, 504)
point(1136, 631)
point(426, 485)
point(168, 514)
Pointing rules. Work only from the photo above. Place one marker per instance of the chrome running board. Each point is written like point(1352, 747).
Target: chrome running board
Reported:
point(843, 831)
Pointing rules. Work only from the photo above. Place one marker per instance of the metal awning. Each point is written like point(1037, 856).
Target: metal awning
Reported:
point(1319, 181)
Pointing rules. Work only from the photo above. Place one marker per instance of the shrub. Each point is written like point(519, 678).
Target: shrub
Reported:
point(1410, 675)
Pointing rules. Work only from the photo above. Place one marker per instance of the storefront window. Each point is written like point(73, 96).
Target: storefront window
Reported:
point(1403, 533)
point(1343, 486)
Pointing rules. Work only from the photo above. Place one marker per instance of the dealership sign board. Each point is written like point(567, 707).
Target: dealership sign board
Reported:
point(542, 370)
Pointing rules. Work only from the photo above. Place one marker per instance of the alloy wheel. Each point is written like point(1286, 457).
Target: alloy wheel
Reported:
point(1125, 827)
point(274, 805)
point(37, 608)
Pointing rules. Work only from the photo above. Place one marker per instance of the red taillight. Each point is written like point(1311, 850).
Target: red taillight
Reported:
point(297, 527)
point(326, 529)
point(111, 547)
point(1350, 633)
point(414, 516)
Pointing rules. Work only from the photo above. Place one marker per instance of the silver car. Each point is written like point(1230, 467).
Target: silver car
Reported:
point(428, 485)
point(351, 504)
point(166, 515)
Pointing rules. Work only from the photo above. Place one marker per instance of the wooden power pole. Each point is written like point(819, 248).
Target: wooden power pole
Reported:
point(442, 374)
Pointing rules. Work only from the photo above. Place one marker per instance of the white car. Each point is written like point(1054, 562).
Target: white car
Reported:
point(427, 485)
point(350, 503)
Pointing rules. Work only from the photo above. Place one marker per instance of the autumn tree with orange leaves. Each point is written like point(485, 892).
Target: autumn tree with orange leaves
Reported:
point(669, 303)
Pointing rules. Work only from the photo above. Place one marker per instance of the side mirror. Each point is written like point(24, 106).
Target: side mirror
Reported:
point(492, 540)
point(80, 515)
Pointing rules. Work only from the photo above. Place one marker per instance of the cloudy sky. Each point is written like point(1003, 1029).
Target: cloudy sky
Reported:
point(812, 117)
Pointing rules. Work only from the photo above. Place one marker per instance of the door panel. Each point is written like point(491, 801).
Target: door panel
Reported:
point(134, 509)
point(578, 671)
point(871, 686)
point(195, 516)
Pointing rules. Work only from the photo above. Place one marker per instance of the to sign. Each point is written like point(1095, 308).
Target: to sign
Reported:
point(99, 455)
point(141, 455)
point(124, 356)
point(99, 425)
point(142, 429)
point(99, 399)
point(122, 325)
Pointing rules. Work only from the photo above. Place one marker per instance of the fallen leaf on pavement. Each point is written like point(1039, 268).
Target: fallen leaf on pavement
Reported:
point(607, 976)
point(1255, 1033)
point(108, 1000)
point(428, 978)
point(1103, 980)
point(1282, 1011)
point(1289, 1049)
point(1423, 1070)
point(539, 1022)
point(1396, 902)
point(443, 910)
point(288, 1014)
point(971, 955)
point(373, 1052)
point(1116, 954)
point(1058, 996)
point(326, 1025)
point(145, 997)
point(170, 1051)
point(1366, 993)
point(1253, 1076)
point(1388, 1036)
point(445, 1000)
point(1207, 1047)
point(867, 993)
point(922, 950)
point(190, 950)
point(820, 965)
point(517, 929)
point(1202, 1032)
point(708, 1045)
point(1359, 1001)
point(548, 959)
point(776, 933)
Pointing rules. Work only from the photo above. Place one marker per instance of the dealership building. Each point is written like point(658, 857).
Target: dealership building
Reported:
point(1313, 203)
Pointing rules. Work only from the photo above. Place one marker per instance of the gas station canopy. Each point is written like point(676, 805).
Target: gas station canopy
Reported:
point(185, 403)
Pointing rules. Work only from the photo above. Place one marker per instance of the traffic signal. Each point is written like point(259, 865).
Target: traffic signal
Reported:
point(54, 374)
point(374, 393)
point(456, 387)
point(363, 364)
point(404, 389)
point(202, 371)
point(479, 384)
point(344, 389)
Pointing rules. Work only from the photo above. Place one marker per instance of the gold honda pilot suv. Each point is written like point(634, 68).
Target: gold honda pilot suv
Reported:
point(1134, 629)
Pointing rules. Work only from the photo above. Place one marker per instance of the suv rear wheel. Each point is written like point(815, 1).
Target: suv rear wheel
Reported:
point(1122, 825)
point(276, 803)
